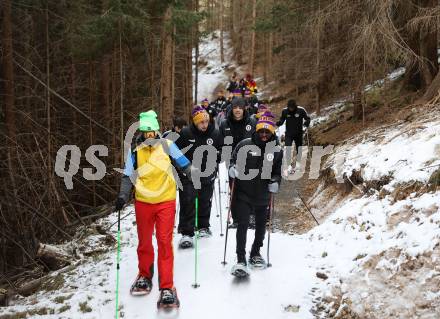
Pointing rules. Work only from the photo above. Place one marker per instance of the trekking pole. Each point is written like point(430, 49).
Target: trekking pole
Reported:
point(271, 213)
point(307, 207)
point(220, 206)
point(177, 212)
point(216, 203)
point(117, 264)
point(196, 285)
point(227, 222)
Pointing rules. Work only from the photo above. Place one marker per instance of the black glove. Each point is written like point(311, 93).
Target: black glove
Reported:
point(119, 204)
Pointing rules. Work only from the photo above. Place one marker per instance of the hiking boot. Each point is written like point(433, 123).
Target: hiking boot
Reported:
point(168, 299)
point(186, 242)
point(141, 286)
point(240, 269)
point(256, 261)
point(205, 233)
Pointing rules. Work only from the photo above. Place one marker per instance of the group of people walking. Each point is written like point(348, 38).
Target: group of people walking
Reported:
point(227, 130)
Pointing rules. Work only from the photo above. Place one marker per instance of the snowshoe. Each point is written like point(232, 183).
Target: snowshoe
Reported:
point(240, 269)
point(186, 242)
point(141, 286)
point(233, 225)
point(205, 233)
point(168, 299)
point(257, 262)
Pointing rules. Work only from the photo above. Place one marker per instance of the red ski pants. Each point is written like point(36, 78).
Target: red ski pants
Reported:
point(160, 215)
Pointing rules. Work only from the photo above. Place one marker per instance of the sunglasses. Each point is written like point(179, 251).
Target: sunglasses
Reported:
point(150, 134)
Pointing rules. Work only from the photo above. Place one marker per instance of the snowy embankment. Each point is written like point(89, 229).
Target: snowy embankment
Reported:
point(383, 238)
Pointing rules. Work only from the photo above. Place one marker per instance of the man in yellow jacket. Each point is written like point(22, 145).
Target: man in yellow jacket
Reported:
point(150, 165)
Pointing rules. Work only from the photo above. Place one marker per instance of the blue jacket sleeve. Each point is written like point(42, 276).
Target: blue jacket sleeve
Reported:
point(129, 164)
point(178, 156)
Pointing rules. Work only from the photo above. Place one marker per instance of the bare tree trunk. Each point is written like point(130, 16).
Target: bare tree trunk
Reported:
point(433, 90)
point(9, 92)
point(318, 65)
point(91, 104)
point(196, 59)
point(8, 71)
point(75, 124)
point(239, 47)
point(167, 73)
point(252, 57)
point(48, 106)
point(222, 49)
point(357, 104)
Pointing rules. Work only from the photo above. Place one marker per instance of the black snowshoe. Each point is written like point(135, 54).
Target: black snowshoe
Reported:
point(257, 262)
point(141, 286)
point(168, 299)
point(186, 242)
point(240, 269)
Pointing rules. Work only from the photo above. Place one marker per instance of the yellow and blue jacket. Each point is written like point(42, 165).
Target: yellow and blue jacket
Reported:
point(150, 167)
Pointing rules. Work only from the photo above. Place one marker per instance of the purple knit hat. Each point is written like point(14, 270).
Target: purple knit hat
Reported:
point(237, 92)
point(266, 121)
point(199, 114)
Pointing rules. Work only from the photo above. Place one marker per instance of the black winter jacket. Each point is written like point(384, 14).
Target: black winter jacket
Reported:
point(294, 121)
point(192, 136)
point(239, 130)
point(255, 191)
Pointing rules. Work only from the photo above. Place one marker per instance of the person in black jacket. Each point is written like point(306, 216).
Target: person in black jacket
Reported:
point(261, 157)
point(233, 83)
point(200, 133)
point(237, 123)
point(178, 124)
point(220, 102)
point(295, 117)
point(212, 111)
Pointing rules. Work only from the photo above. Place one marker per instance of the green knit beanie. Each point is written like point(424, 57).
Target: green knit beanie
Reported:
point(148, 121)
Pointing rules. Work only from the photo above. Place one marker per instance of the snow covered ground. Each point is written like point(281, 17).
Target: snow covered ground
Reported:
point(270, 293)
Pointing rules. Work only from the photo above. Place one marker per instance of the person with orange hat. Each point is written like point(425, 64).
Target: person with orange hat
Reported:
point(200, 133)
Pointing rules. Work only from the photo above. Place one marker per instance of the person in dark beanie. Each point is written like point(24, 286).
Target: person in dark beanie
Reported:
point(210, 109)
point(262, 158)
point(220, 102)
point(295, 117)
point(178, 124)
point(237, 123)
point(200, 133)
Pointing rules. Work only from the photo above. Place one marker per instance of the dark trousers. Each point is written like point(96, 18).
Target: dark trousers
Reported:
point(297, 139)
point(241, 211)
point(187, 197)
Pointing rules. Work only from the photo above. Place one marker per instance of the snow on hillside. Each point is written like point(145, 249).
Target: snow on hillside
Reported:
point(338, 106)
point(212, 72)
point(403, 153)
point(377, 233)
